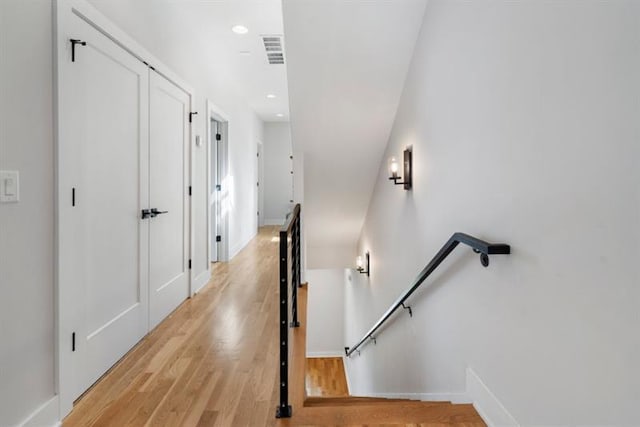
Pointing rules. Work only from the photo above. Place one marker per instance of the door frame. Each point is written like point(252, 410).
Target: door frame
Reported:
point(260, 177)
point(216, 113)
point(65, 306)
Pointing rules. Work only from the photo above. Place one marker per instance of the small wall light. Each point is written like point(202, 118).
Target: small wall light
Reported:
point(394, 167)
point(360, 264)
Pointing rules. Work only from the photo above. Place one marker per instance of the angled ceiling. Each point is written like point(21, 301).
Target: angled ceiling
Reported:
point(346, 65)
point(204, 26)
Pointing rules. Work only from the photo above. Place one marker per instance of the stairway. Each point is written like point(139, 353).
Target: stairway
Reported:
point(357, 410)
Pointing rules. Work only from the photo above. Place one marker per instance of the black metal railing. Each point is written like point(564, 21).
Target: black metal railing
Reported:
point(289, 256)
point(479, 246)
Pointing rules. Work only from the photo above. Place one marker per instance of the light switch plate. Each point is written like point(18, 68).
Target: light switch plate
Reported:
point(9, 186)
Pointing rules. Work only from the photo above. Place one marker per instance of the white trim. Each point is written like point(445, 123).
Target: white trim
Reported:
point(201, 281)
point(486, 403)
point(346, 373)
point(271, 221)
point(260, 192)
point(319, 354)
point(237, 248)
point(46, 415)
point(216, 113)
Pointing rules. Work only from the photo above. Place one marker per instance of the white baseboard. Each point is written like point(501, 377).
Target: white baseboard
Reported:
point(200, 281)
point(486, 403)
point(316, 354)
point(346, 373)
point(237, 248)
point(274, 221)
point(47, 415)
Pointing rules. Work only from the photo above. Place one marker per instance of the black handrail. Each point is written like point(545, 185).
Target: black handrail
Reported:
point(479, 246)
point(291, 227)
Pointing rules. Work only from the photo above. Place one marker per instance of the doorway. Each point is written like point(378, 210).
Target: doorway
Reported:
point(260, 183)
point(217, 183)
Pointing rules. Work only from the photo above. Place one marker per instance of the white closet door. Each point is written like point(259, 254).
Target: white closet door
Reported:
point(104, 241)
point(169, 185)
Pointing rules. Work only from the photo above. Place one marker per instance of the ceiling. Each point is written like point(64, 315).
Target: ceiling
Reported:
point(240, 61)
point(346, 65)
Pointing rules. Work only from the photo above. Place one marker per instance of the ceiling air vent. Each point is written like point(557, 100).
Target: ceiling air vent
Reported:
point(273, 47)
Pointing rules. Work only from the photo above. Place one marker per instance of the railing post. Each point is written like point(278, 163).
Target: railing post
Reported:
point(290, 228)
point(295, 255)
point(284, 409)
point(299, 253)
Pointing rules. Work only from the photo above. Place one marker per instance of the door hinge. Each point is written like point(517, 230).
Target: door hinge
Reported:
point(190, 190)
point(218, 238)
point(218, 187)
point(73, 196)
point(191, 116)
point(74, 42)
point(73, 341)
point(189, 264)
point(218, 137)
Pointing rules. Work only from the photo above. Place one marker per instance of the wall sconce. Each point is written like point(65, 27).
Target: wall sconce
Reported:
point(360, 264)
point(393, 170)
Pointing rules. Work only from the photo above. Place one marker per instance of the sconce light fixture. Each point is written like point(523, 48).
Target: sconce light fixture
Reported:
point(394, 167)
point(360, 264)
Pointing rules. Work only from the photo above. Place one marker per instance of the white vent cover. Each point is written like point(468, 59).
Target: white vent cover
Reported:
point(273, 47)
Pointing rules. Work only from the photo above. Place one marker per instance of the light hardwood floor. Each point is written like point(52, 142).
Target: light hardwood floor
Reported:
point(214, 362)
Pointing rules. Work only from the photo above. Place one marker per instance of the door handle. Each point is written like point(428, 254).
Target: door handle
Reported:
point(147, 213)
point(156, 212)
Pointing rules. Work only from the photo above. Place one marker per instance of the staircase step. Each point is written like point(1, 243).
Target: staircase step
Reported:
point(362, 400)
point(398, 413)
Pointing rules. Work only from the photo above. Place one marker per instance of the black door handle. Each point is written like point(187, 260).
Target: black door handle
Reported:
point(156, 212)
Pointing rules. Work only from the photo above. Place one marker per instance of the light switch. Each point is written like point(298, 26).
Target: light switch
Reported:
point(9, 186)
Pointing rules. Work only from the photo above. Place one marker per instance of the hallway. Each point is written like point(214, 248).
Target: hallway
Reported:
point(213, 362)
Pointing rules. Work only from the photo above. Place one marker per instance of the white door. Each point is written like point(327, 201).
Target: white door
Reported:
point(103, 172)
point(169, 108)
point(260, 192)
point(215, 193)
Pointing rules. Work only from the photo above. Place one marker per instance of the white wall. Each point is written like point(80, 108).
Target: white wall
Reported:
point(278, 180)
point(325, 312)
point(524, 119)
point(26, 228)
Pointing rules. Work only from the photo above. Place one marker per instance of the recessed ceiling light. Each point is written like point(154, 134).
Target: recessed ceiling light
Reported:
point(270, 96)
point(279, 115)
point(239, 29)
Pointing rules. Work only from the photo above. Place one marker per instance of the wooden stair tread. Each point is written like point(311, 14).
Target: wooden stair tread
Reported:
point(321, 399)
point(358, 400)
point(396, 413)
